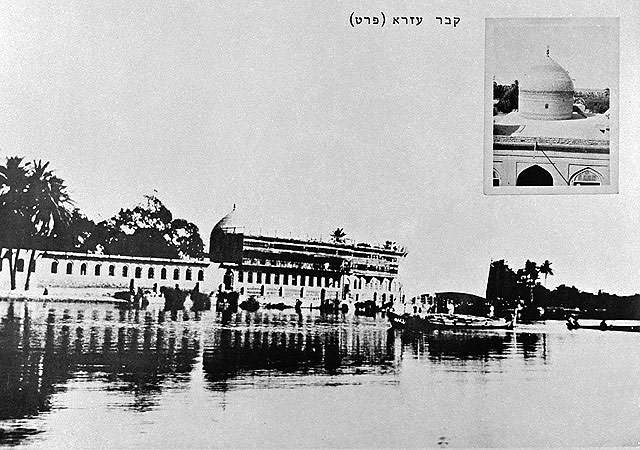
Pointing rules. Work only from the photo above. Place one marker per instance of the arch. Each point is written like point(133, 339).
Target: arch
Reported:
point(151, 273)
point(176, 274)
point(163, 273)
point(83, 269)
point(125, 271)
point(138, 272)
point(200, 275)
point(496, 178)
point(20, 265)
point(112, 270)
point(97, 269)
point(534, 176)
point(586, 177)
point(32, 266)
point(188, 275)
point(54, 267)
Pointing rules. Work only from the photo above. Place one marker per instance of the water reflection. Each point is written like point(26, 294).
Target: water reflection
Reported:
point(141, 356)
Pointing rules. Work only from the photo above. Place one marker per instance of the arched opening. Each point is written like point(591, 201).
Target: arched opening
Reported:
point(20, 265)
point(151, 273)
point(112, 270)
point(496, 178)
point(163, 273)
point(534, 176)
point(97, 269)
point(54, 267)
point(83, 269)
point(188, 274)
point(69, 268)
point(586, 177)
point(138, 272)
point(125, 271)
point(200, 275)
point(176, 274)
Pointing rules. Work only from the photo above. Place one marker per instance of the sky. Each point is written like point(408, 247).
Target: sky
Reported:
point(308, 124)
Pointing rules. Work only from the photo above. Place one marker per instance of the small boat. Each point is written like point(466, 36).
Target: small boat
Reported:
point(461, 322)
point(447, 322)
point(574, 325)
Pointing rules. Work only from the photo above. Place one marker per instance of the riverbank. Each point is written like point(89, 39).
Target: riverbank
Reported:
point(87, 295)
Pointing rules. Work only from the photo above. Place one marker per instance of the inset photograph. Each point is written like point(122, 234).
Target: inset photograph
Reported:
point(551, 106)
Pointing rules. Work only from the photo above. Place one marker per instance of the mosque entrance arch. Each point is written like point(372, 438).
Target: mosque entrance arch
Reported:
point(534, 176)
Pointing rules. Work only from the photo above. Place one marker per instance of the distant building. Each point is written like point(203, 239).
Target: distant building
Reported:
point(549, 141)
point(282, 270)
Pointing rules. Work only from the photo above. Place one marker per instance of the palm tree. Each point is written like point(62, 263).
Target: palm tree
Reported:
point(338, 236)
point(13, 216)
point(49, 206)
point(546, 270)
point(33, 208)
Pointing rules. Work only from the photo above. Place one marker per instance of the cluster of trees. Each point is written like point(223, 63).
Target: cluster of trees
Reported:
point(507, 96)
point(507, 289)
point(37, 213)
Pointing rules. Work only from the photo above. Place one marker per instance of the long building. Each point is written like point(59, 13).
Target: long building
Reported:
point(283, 270)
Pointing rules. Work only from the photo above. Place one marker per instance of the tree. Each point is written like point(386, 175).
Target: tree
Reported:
point(338, 236)
point(546, 269)
point(34, 207)
point(49, 205)
point(13, 215)
point(150, 230)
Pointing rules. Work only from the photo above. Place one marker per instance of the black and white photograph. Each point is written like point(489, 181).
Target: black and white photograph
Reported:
point(281, 225)
point(554, 84)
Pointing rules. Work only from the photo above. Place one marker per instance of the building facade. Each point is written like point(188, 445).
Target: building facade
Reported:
point(284, 270)
point(95, 275)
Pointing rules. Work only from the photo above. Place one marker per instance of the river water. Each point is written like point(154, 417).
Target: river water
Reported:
point(76, 375)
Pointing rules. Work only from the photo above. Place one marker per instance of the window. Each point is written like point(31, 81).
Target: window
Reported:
point(125, 271)
point(54, 267)
point(259, 277)
point(96, 270)
point(496, 178)
point(188, 275)
point(586, 177)
point(302, 279)
point(32, 266)
point(20, 265)
point(112, 270)
point(200, 275)
point(176, 274)
point(285, 279)
point(83, 269)
point(69, 268)
point(150, 273)
point(249, 277)
point(163, 273)
point(294, 280)
point(240, 276)
point(276, 278)
point(267, 278)
point(546, 106)
point(310, 281)
point(138, 272)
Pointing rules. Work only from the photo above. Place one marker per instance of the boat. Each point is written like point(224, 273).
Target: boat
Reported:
point(463, 322)
point(574, 325)
point(447, 322)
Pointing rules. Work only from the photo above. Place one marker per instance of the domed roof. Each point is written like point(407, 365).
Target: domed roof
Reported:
point(547, 75)
point(230, 223)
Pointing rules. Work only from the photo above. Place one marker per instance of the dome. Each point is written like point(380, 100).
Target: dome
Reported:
point(546, 75)
point(230, 223)
point(546, 91)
